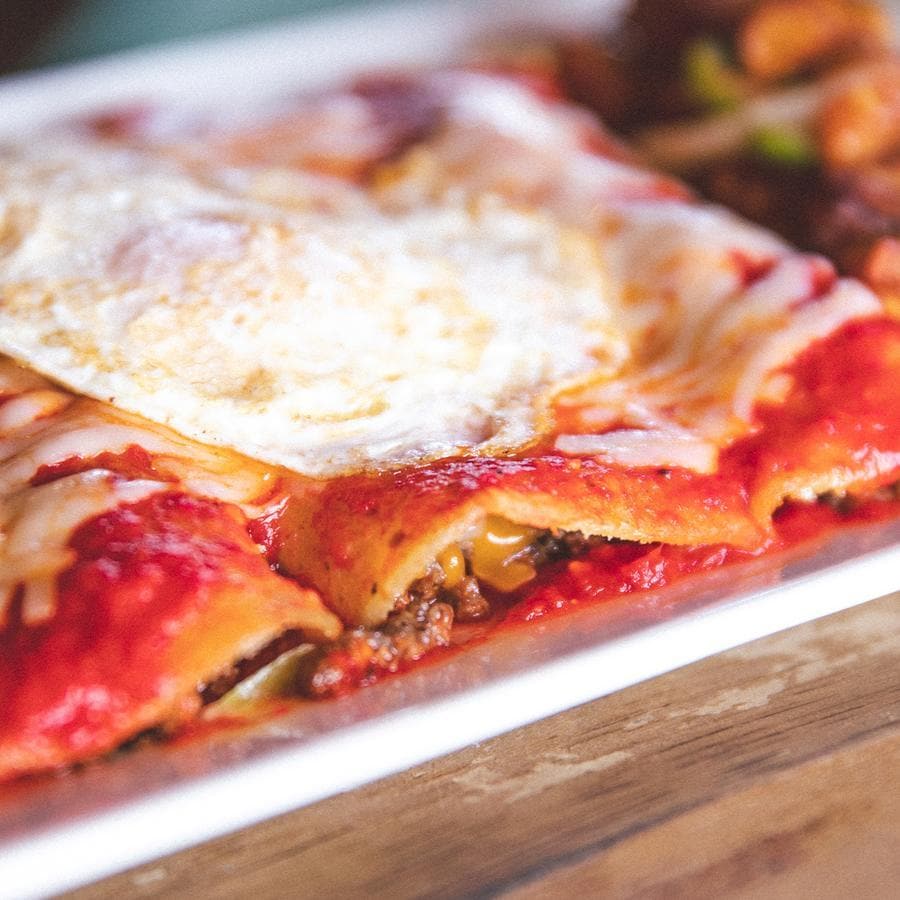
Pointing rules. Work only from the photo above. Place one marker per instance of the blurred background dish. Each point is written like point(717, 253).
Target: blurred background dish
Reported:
point(59, 31)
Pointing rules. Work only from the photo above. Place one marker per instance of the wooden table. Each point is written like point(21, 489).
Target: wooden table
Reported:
point(772, 770)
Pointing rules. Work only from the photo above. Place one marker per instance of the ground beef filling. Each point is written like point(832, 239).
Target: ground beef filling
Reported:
point(551, 546)
point(361, 655)
point(424, 617)
point(421, 623)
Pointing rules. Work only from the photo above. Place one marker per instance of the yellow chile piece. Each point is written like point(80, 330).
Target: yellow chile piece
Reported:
point(492, 553)
point(453, 563)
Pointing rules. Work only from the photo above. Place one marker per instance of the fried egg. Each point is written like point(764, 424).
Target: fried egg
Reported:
point(321, 331)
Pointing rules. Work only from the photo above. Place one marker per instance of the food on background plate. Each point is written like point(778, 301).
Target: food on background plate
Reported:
point(447, 356)
point(787, 111)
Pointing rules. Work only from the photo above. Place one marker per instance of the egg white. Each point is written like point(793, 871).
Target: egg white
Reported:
point(320, 332)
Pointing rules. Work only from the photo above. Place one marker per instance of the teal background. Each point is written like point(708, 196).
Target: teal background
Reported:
point(97, 27)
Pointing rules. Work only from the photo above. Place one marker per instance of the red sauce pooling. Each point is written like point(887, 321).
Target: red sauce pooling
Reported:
point(624, 567)
point(613, 569)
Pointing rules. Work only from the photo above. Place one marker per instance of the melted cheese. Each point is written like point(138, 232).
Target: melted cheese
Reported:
point(42, 427)
point(324, 338)
point(29, 407)
point(496, 554)
point(644, 447)
point(706, 344)
point(35, 527)
point(698, 392)
point(498, 271)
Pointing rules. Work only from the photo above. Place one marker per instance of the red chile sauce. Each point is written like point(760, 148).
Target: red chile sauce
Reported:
point(839, 403)
point(841, 408)
point(625, 567)
point(143, 573)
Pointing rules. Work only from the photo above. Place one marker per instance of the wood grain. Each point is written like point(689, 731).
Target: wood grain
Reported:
point(827, 828)
point(771, 770)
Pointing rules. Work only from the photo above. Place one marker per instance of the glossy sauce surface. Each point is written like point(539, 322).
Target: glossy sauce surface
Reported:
point(839, 412)
point(164, 593)
point(624, 567)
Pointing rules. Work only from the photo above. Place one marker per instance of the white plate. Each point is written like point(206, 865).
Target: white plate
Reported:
point(57, 833)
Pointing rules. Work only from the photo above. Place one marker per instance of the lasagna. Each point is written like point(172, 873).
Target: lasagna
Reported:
point(430, 349)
